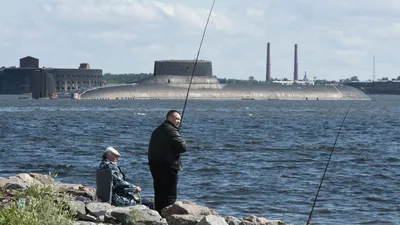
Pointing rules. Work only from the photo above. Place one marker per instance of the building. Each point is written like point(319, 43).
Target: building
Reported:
point(44, 82)
point(383, 87)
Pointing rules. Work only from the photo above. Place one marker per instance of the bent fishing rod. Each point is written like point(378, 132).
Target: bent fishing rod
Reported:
point(197, 59)
point(327, 164)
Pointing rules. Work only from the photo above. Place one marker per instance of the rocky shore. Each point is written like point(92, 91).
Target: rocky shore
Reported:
point(87, 211)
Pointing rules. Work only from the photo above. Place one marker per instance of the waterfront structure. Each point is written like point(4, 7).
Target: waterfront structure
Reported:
point(388, 87)
point(45, 82)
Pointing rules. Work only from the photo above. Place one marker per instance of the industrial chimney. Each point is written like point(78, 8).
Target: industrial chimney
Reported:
point(268, 72)
point(296, 62)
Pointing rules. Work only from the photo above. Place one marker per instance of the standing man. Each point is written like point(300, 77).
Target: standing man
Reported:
point(165, 147)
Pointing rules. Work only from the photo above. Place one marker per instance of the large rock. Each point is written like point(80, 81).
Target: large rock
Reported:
point(20, 181)
point(15, 185)
point(98, 209)
point(187, 208)
point(76, 190)
point(44, 179)
point(136, 215)
point(212, 220)
point(78, 206)
point(184, 219)
point(24, 180)
point(230, 220)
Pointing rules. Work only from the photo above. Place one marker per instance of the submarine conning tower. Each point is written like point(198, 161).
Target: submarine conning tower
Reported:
point(182, 68)
point(179, 73)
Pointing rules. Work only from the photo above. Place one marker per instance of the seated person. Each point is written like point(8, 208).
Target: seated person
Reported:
point(123, 192)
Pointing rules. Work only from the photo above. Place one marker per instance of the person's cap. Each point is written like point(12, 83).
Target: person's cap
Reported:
point(113, 150)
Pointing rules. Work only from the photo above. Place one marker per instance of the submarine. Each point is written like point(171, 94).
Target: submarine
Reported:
point(171, 80)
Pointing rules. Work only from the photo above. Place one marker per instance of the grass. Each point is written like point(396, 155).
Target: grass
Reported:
point(44, 206)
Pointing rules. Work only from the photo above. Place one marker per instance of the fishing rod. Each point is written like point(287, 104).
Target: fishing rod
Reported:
point(327, 164)
point(195, 63)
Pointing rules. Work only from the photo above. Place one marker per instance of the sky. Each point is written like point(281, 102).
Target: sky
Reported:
point(336, 39)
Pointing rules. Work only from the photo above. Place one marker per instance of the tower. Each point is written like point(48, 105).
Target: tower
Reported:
point(296, 68)
point(268, 72)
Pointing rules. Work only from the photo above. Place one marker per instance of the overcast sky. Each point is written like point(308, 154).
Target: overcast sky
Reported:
point(336, 38)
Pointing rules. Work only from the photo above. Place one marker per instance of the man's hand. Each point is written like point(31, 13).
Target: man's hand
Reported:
point(138, 189)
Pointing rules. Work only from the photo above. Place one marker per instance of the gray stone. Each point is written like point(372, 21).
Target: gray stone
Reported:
point(184, 219)
point(232, 220)
point(212, 220)
point(163, 222)
point(98, 208)
point(26, 178)
point(186, 208)
point(84, 223)
point(100, 218)
point(89, 223)
point(76, 190)
point(87, 217)
point(254, 220)
point(42, 178)
point(136, 215)
point(78, 206)
point(15, 185)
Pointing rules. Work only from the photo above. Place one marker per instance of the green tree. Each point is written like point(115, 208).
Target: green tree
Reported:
point(354, 78)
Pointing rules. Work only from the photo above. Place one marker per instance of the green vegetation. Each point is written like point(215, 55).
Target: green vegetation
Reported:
point(135, 216)
point(43, 205)
point(127, 78)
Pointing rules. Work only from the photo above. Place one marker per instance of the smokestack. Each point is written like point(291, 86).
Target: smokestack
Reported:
point(296, 62)
point(268, 72)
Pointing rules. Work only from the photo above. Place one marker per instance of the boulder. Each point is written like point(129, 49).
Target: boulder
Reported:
point(187, 208)
point(76, 190)
point(230, 220)
point(98, 208)
point(138, 215)
point(212, 220)
point(78, 206)
point(186, 219)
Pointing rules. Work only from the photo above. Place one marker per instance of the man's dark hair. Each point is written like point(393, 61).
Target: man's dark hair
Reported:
point(170, 112)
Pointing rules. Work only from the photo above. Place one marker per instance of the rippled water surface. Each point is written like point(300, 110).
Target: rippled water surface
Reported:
point(263, 158)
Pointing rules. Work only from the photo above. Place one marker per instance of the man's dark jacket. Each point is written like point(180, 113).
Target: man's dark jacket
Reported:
point(165, 146)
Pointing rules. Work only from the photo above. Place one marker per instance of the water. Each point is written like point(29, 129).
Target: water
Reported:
point(263, 158)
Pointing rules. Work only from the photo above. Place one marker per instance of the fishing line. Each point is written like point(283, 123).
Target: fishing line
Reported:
point(195, 63)
point(327, 164)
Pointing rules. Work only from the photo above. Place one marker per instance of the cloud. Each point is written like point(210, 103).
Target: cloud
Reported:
point(103, 11)
point(109, 35)
point(336, 38)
